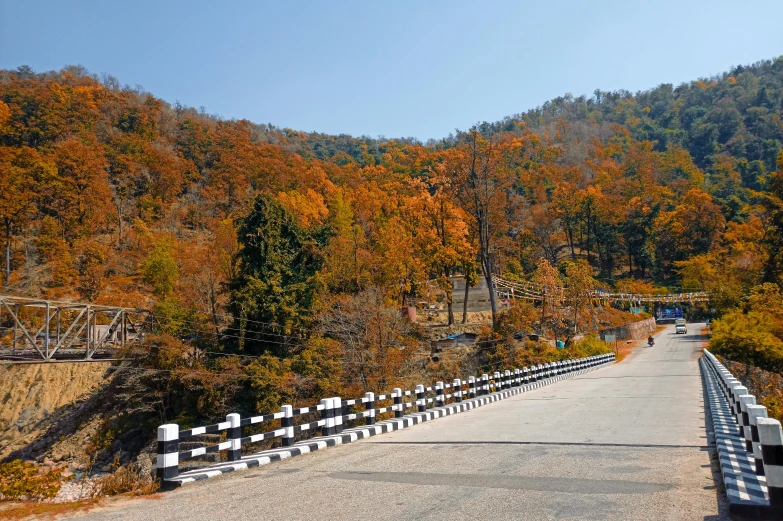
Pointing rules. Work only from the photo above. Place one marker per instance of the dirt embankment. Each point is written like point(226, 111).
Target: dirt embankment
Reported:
point(34, 394)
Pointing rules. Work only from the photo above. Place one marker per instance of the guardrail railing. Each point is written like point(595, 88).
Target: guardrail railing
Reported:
point(750, 445)
point(334, 413)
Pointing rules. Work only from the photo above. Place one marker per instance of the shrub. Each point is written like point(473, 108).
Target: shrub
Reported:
point(25, 480)
point(748, 339)
point(589, 346)
point(767, 387)
point(127, 479)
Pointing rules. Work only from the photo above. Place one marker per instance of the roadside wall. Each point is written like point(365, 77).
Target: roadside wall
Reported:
point(632, 331)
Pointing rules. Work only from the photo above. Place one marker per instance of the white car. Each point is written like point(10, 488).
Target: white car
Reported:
point(680, 327)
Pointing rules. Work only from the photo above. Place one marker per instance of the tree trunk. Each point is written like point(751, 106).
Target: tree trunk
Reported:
point(492, 301)
point(588, 237)
point(450, 297)
point(7, 251)
point(465, 304)
point(570, 236)
point(119, 226)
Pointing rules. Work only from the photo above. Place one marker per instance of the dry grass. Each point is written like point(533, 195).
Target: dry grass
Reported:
point(128, 479)
point(24, 509)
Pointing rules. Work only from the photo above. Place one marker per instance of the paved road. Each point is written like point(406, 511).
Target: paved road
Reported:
point(626, 442)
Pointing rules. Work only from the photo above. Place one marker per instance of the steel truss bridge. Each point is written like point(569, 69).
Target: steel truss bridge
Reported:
point(36, 329)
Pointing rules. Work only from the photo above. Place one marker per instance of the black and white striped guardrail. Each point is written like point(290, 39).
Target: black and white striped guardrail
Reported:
point(749, 445)
point(423, 403)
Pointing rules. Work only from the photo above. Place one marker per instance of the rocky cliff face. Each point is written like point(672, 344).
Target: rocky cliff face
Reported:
point(35, 395)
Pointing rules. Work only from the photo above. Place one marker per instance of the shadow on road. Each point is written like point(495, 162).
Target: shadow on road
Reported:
point(717, 478)
point(551, 443)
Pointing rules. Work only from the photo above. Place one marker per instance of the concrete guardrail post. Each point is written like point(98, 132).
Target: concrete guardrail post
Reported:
point(517, 378)
point(370, 408)
point(484, 384)
point(327, 415)
point(498, 380)
point(736, 391)
point(457, 390)
point(168, 451)
point(337, 406)
point(746, 400)
point(731, 383)
point(422, 405)
point(440, 399)
point(754, 413)
point(235, 436)
point(472, 386)
point(397, 394)
point(287, 423)
point(771, 439)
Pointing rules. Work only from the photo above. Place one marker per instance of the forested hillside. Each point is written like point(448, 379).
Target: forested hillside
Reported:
point(265, 242)
point(100, 177)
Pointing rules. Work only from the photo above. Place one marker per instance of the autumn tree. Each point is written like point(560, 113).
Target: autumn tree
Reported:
point(23, 173)
point(550, 288)
point(377, 340)
point(442, 235)
point(481, 170)
point(579, 289)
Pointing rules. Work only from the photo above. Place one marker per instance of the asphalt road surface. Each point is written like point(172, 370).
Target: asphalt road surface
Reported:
point(625, 442)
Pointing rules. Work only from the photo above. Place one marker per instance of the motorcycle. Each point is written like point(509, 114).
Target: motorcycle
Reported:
point(650, 342)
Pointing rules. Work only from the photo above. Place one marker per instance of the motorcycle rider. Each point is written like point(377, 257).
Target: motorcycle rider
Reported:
point(650, 341)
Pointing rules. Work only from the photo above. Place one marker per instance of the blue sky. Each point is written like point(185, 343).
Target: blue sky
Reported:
point(401, 68)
